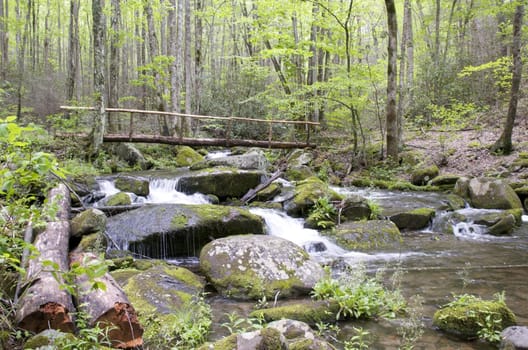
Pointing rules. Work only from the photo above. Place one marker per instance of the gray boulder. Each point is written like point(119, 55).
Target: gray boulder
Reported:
point(514, 338)
point(423, 174)
point(488, 193)
point(171, 230)
point(253, 266)
point(254, 159)
point(355, 207)
point(223, 182)
point(266, 338)
point(306, 194)
point(365, 234)
point(414, 219)
point(299, 335)
point(137, 185)
point(89, 221)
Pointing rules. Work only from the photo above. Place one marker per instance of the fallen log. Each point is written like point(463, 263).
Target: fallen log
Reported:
point(252, 193)
point(108, 309)
point(43, 304)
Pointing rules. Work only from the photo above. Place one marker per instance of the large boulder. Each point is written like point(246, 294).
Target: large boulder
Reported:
point(306, 194)
point(355, 207)
point(365, 234)
point(466, 317)
point(223, 183)
point(172, 230)
point(253, 159)
point(138, 186)
point(253, 266)
point(415, 219)
point(298, 165)
point(423, 174)
point(187, 156)
point(130, 154)
point(89, 221)
point(514, 338)
point(118, 199)
point(488, 193)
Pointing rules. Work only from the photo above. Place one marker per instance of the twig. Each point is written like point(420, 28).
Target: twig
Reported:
point(69, 188)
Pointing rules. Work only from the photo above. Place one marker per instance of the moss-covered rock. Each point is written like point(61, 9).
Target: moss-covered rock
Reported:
point(89, 221)
point(415, 219)
point(187, 156)
point(136, 185)
point(269, 192)
point(423, 174)
point(306, 194)
point(120, 198)
point(265, 338)
point(488, 193)
point(454, 202)
point(298, 173)
point(172, 230)
point(254, 159)
point(365, 234)
point(223, 182)
point(95, 243)
point(50, 337)
point(355, 207)
point(466, 316)
point(299, 335)
point(445, 181)
point(253, 266)
point(308, 311)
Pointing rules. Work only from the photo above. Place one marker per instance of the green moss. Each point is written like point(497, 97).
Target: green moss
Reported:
point(467, 318)
point(179, 221)
point(392, 185)
point(227, 343)
point(271, 339)
point(366, 234)
point(187, 156)
point(118, 199)
point(303, 344)
point(134, 185)
point(311, 312)
point(517, 214)
point(185, 276)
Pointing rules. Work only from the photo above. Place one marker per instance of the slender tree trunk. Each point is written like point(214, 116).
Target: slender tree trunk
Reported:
point(392, 115)
point(404, 66)
point(504, 143)
point(188, 67)
point(4, 43)
point(177, 67)
point(115, 62)
point(98, 31)
point(198, 42)
point(22, 61)
point(73, 50)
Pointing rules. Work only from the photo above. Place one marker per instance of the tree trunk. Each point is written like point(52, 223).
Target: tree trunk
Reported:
point(44, 304)
point(99, 76)
point(109, 308)
point(198, 69)
point(188, 67)
point(113, 95)
point(504, 143)
point(404, 66)
point(176, 45)
point(73, 49)
point(392, 115)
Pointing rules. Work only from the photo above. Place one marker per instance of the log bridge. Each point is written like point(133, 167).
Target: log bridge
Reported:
point(133, 130)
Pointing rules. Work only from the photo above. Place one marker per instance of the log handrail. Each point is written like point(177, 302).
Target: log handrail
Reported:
point(129, 110)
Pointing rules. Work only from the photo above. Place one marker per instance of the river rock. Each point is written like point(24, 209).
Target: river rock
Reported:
point(224, 183)
point(298, 165)
point(423, 174)
point(415, 219)
point(118, 199)
point(445, 182)
point(254, 159)
point(514, 338)
point(136, 185)
point(355, 207)
point(89, 221)
point(466, 319)
point(171, 230)
point(308, 311)
point(130, 154)
point(253, 266)
point(187, 156)
point(266, 338)
point(306, 194)
point(365, 234)
point(488, 193)
point(299, 335)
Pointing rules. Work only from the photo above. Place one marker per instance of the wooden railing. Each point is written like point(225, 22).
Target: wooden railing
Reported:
point(228, 140)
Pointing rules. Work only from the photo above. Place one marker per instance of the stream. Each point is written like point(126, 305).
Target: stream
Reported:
point(433, 265)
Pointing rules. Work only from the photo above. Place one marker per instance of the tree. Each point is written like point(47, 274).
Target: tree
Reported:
point(392, 115)
point(504, 143)
point(99, 29)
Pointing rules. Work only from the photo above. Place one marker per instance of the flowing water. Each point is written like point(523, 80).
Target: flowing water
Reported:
point(432, 264)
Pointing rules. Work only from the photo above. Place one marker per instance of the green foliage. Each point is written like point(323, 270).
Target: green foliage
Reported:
point(186, 329)
point(456, 116)
point(88, 338)
point(375, 209)
point(359, 296)
point(360, 341)
point(323, 213)
point(499, 72)
point(238, 324)
point(412, 327)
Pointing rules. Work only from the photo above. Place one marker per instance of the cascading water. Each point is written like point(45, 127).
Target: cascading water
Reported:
point(160, 191)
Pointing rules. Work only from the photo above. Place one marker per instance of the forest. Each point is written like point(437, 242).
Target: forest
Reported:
point(368, 85)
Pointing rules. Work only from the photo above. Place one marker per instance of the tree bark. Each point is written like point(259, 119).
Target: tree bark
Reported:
point(44, 304)
point(188, 68)
point(392, 115)
point(109, 308)
point(504, 143)
point(3, 39)
point(73, 49)
point(98, 27)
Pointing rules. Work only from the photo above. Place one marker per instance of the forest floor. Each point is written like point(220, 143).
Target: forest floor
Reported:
point(467, 152)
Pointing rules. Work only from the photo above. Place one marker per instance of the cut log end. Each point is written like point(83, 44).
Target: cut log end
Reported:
point(125, 331)
point(49, 316)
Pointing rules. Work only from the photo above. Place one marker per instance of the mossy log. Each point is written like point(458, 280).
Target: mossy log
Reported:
point(107, 308)
point(43, 303)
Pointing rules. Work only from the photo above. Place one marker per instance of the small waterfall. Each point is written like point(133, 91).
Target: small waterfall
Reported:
point(164, 191)
point(160, 191)
point(281, 225)
point(218, 154)
point(468, 230)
